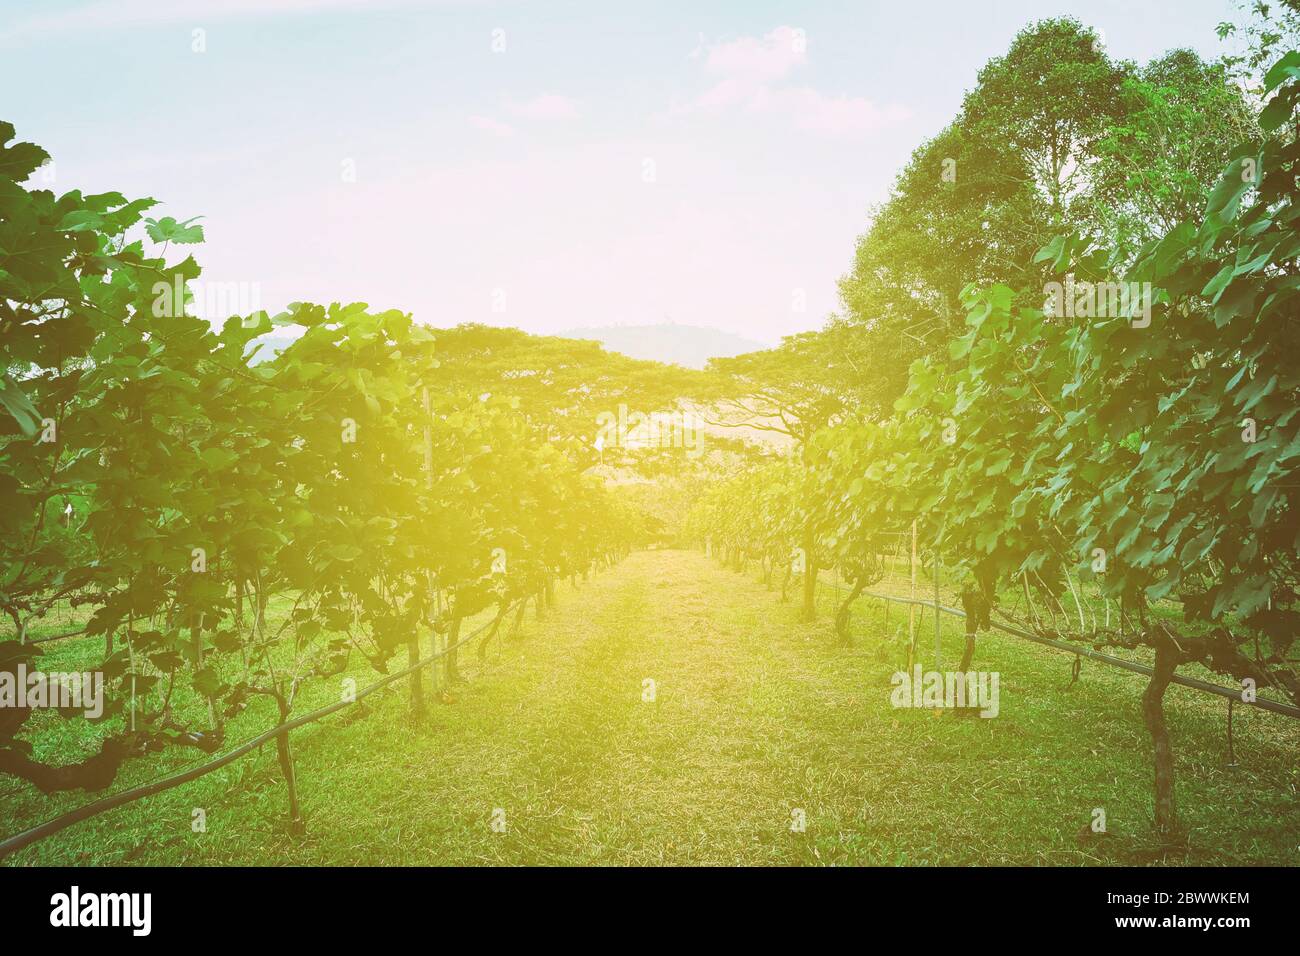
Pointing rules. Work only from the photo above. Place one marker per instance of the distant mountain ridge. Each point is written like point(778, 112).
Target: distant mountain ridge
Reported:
point(688, 345)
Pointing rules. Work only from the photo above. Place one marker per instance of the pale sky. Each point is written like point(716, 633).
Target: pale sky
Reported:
point(541, 164)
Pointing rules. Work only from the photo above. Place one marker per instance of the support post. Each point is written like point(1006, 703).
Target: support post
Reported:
point(938, 647)
point(911, 608)
point(435, 593)
point(428, 441)
point(417, 690)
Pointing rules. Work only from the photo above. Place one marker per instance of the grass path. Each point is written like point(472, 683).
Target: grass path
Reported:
point(754, 716)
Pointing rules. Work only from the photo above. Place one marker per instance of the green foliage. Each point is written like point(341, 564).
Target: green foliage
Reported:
point(150, 469)
point(1164, 435)
point(1125, 419)
point(1055, 138)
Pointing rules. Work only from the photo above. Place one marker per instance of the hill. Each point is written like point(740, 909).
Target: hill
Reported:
point(688, 345)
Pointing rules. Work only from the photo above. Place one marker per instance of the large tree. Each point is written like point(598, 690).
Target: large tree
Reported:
point(1055, 137)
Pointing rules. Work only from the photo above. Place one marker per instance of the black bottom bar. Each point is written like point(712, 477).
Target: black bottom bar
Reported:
point(336, 906)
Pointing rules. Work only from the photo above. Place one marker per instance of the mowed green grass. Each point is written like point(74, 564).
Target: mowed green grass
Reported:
point(754, 716)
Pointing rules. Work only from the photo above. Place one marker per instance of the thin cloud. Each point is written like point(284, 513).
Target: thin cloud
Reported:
point(546, 106)
point(759, 59)
point(489, 125)
point(751, 75)
point(840, 115)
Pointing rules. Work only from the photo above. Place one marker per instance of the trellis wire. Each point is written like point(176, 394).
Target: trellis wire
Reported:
point(1274, 706)
point(96, 807)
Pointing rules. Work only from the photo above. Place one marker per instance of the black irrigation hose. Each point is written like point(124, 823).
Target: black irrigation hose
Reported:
point(55, 637)
point(1276, 707)
point(96, 807)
